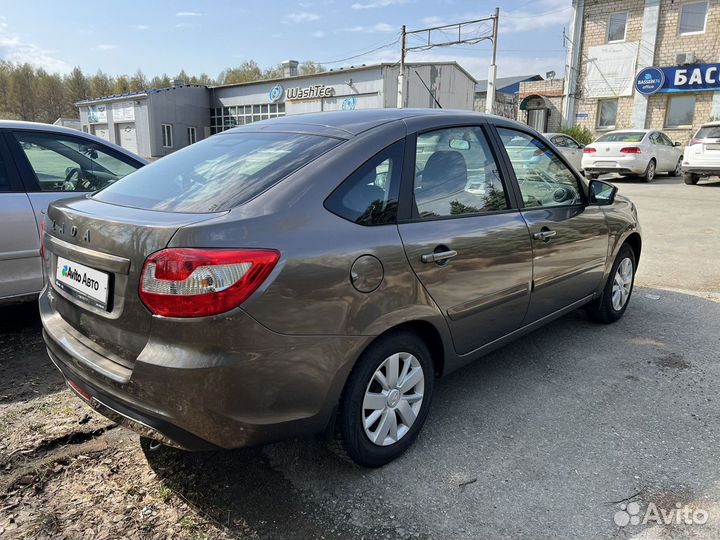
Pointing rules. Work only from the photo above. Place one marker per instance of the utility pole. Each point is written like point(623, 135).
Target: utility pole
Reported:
point(492, 70)
point(470, 32)
point(401, 75)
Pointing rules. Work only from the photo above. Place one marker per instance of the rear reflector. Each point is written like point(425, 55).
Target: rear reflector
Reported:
point(202, 282)
point(589, 150)
point(82, 393)
point(630, 150)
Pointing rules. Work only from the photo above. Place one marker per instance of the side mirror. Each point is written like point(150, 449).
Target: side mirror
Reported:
point(581, 146)
point(676, 143)
point(602, 193)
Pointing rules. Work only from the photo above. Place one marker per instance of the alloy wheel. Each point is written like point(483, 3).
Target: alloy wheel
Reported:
point(678, 168)
point(393, 399)
point(622, 284)
point(650, 173)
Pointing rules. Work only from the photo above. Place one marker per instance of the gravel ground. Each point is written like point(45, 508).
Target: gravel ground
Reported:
point(546, 438)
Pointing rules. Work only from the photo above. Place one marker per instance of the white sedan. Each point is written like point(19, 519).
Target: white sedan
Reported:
point(569, 147)
point(638, 152)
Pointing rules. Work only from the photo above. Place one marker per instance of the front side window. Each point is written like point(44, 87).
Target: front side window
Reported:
point(167, 141)
point(217, 173)
point(617, 26)
point(69, 164)
point(680, 111)
point(456, 174)
point(559, 141)
point(607, 113)
point(369, 196)
point(693, 17)
point(543, 178)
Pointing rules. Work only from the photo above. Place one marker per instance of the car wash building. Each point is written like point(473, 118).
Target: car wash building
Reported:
point(157, 122)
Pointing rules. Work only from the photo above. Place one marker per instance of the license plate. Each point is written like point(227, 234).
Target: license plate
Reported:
point(713, 147)
point(83, 282)
point(605, 164)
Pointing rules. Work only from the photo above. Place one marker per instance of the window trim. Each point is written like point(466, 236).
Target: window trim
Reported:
point(169, 138)
point(667, 110)
point(693, 32)
point(607, 33)
point(193, 139)
point(582, 186)
point(407, 208)
point(26, 171)
point(599, 107)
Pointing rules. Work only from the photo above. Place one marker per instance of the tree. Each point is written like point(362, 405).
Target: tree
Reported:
point(50, 96)
point(138, 82)
point(248, 71)
point(162, 81)
point(101, 85)
point(21, 98)
point(275, 72)
point(308, 67)
point(5, 71)
point(77, 88)
point(122, 85)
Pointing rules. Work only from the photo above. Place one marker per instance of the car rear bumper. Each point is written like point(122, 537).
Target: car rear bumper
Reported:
point(628, 164)
point(185, 392)
point(706, 170)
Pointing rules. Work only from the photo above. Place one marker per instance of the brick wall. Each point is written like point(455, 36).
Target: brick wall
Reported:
point(553, 91)
point(668, 45)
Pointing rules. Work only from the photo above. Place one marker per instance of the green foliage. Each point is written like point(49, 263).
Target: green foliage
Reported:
point(30, 93)
point(580, 133)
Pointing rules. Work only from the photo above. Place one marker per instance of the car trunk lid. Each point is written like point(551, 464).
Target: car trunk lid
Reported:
point(106, 244)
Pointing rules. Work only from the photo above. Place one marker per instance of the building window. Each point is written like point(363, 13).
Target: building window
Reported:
point(192, 137)
point(222, 118)
point(607, 113)
point(167, 135)
point(617, 27)
point(693, 17)
point(680, 111)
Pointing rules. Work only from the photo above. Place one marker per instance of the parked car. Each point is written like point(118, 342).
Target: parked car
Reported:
point(316, 274)
point(637, 152)
point(568, 147)
point(41, 163)
point(702, 156)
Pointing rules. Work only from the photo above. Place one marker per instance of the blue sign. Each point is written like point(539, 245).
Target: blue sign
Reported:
point(649, 80)
point(697, 78)
point(348, 104)
point(276, 92)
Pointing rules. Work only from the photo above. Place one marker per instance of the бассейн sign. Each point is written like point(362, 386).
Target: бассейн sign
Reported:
point(678, 79)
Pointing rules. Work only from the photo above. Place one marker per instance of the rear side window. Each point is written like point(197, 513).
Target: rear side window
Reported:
point(4, 179)
point(708, 132)
point(369, 196)
point(218, 173)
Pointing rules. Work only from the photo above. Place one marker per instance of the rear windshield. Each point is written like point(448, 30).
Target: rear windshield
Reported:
point(708, 132)
point(218, 173)
point(622, 136)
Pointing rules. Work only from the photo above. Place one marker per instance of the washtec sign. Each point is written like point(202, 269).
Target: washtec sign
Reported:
point(82, 281)
point(696, 78)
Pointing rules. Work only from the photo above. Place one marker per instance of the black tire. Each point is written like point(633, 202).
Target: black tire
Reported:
point(602, 310)
point(351, 441)
point(691, 179)
point(678, 168)
point(650, 171)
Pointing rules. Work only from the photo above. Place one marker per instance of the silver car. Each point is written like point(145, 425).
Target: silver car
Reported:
point(41, 163)
point(316, 274)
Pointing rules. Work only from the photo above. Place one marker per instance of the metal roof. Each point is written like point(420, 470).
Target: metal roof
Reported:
point(504, 82)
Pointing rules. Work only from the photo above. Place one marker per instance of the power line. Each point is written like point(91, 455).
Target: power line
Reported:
point(397, 38)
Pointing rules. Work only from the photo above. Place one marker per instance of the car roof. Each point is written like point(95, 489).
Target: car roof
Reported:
point(711, 124)
point(52, 128)
point(349, 123)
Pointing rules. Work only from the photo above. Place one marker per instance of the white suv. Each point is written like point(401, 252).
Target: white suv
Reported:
point(702, 155)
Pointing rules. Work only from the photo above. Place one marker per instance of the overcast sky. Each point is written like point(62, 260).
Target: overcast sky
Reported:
point(164, 37)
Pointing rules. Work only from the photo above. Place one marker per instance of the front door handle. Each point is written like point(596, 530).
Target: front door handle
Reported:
point(439, 256)
point(545, 234)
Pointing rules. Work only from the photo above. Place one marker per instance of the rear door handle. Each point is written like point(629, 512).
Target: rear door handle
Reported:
point(544, 235)
point(439, 256)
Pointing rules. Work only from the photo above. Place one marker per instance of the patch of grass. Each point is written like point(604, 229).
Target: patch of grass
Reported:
point(188, 523)
point(165, 493)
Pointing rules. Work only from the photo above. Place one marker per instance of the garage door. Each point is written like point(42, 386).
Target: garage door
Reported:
point(127, 136)
point(102, 131)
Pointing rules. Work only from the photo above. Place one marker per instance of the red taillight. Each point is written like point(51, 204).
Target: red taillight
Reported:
point(589, 150)
point(202, 282)
point(630, 150)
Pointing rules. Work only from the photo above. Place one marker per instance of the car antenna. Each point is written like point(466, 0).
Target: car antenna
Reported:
point(426, 88)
